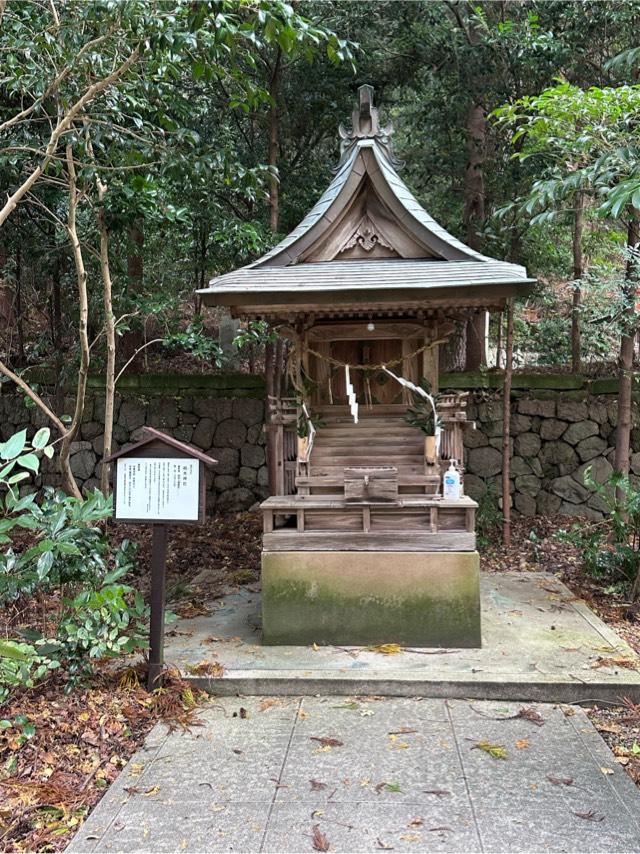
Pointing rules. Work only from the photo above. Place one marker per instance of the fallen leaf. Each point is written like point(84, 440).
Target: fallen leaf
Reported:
point(213, 669)
point(317, 786)
point(620, 661)
point(302, 715)
point(152, 791)
point(495, 751)
point(613, 728)
point(411, 837)
point(320, 841)
point(386, 648)
point(327, 741)
point(531, 715)
point(523, 743)
point(607, 771)
point(416, 822)
point(590, 816)
point(438, 792)
point(560, 781)
point(269, 702)
point(380, 844)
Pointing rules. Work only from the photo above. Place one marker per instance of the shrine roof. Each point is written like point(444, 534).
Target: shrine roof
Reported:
point(366, 233)
point(375, 275)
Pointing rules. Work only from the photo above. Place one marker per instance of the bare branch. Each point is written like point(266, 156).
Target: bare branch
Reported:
point(63, 126)
point(55, 83)
point(39, 402)
point(139, 350)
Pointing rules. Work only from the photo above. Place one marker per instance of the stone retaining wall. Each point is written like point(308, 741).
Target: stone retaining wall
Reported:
point(560, 424)
point(556, 434)
point(222, 415)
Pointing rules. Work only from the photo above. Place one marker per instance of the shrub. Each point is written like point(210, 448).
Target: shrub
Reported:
point(96, 615)
point(611, 548)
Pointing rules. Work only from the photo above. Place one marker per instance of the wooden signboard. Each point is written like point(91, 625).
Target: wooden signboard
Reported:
point(159, 481)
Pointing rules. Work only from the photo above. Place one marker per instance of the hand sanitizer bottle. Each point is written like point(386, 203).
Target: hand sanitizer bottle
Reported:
point(451, 487)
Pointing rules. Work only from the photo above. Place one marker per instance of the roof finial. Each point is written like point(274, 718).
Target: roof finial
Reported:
point(366, 125)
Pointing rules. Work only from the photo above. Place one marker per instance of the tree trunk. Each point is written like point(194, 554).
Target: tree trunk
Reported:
point(506, 430)
point(452, 354)
point(625, 360)
point(63, 126)
point(18, 304)
point(56, 328)
point(476, 351)
point(578, 273)
point(110, 333)
point(274, 128)
point(474, 217)
point(474, 191)
point(83, 339)
point(135, 260)
point(6, 295)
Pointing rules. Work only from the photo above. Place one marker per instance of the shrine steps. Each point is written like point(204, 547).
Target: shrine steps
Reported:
point(380, 438)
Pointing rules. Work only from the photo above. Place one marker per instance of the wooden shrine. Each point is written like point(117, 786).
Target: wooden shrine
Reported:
point(359, 546)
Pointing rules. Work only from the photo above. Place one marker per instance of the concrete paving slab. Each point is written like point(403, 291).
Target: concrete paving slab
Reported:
point(540, 643)
point(400, 774)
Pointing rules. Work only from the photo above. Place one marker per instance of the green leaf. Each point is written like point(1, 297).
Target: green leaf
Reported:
point(30, 462)
point(41, 438)
point(16, 652)
point(14, 446)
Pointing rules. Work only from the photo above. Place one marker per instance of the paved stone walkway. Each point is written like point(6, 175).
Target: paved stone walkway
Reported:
point(538, 643)
point(371, 774)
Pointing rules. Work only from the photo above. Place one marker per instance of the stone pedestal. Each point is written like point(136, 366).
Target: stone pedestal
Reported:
point(420, 599)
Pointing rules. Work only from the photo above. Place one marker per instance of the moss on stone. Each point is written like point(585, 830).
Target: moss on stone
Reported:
point(359, 598)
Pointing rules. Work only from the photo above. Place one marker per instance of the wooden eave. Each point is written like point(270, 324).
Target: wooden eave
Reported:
point(149, 436)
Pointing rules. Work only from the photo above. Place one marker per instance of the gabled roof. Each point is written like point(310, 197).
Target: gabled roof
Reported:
point(151, 435)
point(366, 233)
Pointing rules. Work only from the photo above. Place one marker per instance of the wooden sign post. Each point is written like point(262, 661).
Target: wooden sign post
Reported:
point(159, 481)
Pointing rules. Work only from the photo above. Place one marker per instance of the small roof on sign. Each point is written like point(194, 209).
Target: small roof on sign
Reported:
point(150, 434)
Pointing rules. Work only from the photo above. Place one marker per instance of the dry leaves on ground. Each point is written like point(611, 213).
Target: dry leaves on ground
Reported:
point(76, 747)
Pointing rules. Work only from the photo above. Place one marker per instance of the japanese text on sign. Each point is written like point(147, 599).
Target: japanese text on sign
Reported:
point(157, 489)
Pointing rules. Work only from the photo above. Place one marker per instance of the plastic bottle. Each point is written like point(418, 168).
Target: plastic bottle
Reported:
point(451, 486)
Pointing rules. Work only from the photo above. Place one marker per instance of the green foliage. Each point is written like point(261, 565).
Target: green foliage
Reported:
point(610, 550)
point(21, 666)
point(69, 548)
point(104, 622)
point(488, 517)
point(255, 334)
point(196, 340)
point(18, 460)
point(98, 616)
point(420, 414)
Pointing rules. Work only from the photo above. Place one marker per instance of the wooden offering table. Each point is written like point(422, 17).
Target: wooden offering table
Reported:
point(359, 547)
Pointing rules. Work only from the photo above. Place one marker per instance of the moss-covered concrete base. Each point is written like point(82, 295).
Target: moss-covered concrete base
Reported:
point(358, 598)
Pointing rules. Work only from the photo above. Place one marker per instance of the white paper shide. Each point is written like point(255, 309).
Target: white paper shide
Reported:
point(157, 489)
